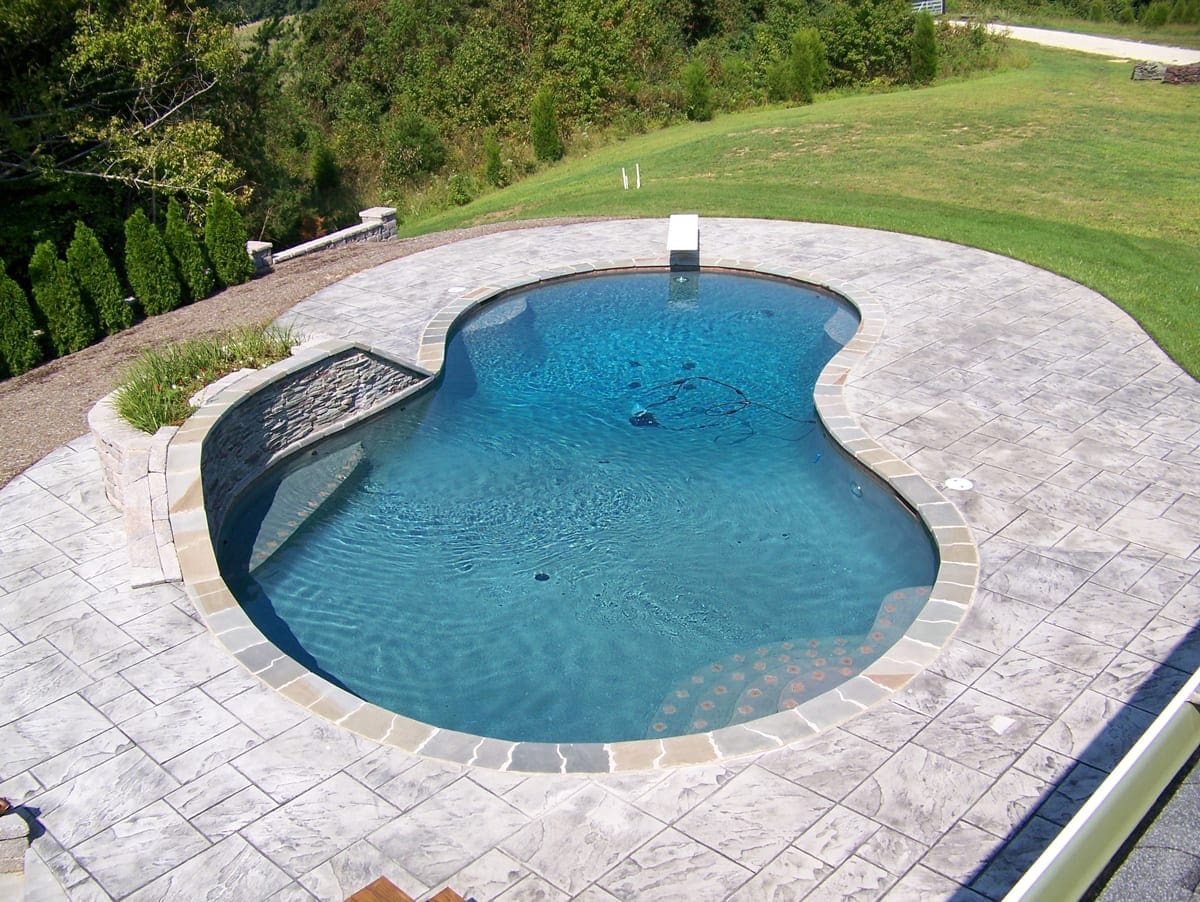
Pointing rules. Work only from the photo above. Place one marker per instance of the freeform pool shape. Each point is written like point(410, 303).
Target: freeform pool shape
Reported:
point(615, 517)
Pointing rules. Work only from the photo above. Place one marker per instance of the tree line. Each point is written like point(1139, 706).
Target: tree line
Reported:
point(107, 108)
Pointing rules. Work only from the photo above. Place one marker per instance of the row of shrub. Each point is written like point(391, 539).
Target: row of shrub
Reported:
point(81, 298)
point(1152, 15)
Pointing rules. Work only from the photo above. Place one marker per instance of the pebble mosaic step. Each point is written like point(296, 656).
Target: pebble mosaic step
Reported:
point(781, 675)
point(300, 495)
point(383, 890)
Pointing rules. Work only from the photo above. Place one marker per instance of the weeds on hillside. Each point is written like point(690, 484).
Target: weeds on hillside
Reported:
point(154, 391)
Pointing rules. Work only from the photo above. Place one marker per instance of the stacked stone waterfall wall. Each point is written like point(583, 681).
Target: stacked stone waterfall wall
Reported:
point(291, 411)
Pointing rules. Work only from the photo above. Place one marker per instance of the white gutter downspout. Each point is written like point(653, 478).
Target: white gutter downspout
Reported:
point(1085, 846)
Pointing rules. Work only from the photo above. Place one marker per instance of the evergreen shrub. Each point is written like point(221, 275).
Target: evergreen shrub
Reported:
point(1097, 12)
point(19, 348)
point(70, 324)
point(325, 174)
point(808, 64)
point(225, 238)
point(494, 169)
point(186, 250)
point(98, 280)
point(1156, 14)
point(924, 56)
point(543, 126)
point(149, 267)
point(697, 92)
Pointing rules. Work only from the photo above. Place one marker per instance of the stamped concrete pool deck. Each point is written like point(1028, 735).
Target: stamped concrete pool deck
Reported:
point(157, 768)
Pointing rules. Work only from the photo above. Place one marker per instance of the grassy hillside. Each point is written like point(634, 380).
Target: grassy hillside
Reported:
point(1065, 163)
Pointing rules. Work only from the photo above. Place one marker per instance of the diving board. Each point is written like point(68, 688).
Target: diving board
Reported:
point(683, 240)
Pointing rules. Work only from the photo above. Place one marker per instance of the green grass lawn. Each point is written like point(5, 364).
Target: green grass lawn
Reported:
point(1064, 163)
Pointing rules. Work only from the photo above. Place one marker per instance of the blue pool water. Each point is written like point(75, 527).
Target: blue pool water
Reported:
point(614, 517)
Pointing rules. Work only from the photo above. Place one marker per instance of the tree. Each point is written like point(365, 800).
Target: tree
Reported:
point(69, 322)
point(543, 126)
point(194, 270)
point(225, 238)
point(148, 266)
point(19, 349)
point(697, 92)
point(119, 91)
point(924, 49)
point(808, 64)
point(97, 280)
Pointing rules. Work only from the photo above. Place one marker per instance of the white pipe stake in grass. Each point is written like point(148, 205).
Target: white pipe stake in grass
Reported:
point(637, 168)
point(625, 178)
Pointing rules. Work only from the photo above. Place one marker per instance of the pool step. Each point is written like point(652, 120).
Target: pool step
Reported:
point(300, 495)
point(383, 890)
point(777, 676)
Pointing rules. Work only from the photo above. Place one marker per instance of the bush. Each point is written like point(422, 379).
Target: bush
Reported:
point(867, 41)
point(780, 81)
point(697, 92)
point(924, 53)
point(1097, 12)
point(412, 147)
point(968, 48)
point(543, 126)
point(1156, 14)
point(325, 175)
point(808, 64)
point(461, 189)
point(1125, 13)
point(225, 238)
point(188, 254)
point(154, 391)
point(494, 169)
point(98, 281)
point(148, 266)
point(19, 348)
point(69, 322)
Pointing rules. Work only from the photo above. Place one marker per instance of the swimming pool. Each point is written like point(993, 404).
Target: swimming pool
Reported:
point(616, 493)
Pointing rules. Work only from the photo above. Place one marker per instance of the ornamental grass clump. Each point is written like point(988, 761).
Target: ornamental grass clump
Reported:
point(71, 324)
point(98, 280)
point(19, 348)
point(154, 391)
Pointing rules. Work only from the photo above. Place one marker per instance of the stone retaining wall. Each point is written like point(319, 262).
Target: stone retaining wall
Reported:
point(378, 224)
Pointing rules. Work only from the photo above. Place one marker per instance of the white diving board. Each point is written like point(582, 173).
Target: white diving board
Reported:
point(683, 240)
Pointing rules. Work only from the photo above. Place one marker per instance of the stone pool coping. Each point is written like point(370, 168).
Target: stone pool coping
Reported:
point(947, 605)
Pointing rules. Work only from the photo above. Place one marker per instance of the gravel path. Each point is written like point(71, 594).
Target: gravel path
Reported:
point(48, 406)
point(1086, 43)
